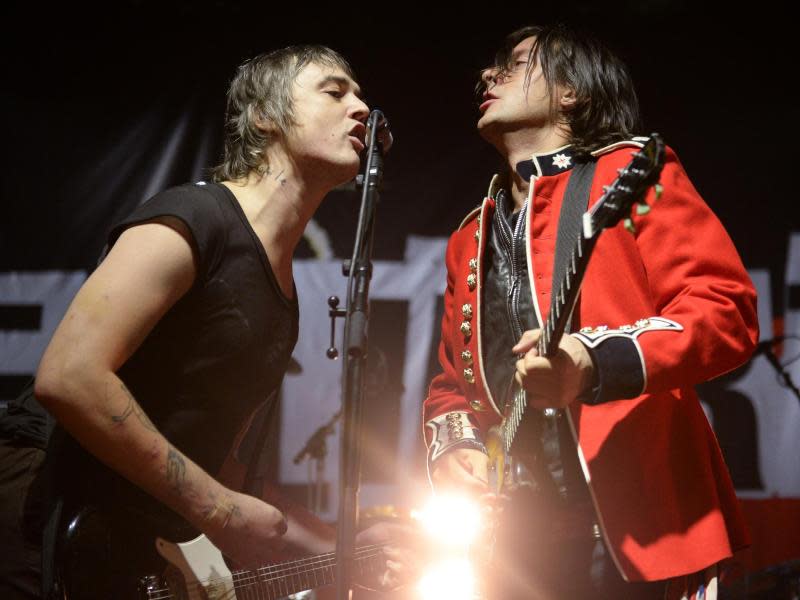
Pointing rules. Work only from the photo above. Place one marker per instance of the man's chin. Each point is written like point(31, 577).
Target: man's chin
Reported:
point(488, 129)
point(346, 178)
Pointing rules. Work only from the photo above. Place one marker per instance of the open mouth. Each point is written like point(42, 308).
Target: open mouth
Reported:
point(486, 103)
point(357, 143)
point(357, 136)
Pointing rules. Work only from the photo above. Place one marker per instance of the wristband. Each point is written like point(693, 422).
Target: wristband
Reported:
point(451, 430)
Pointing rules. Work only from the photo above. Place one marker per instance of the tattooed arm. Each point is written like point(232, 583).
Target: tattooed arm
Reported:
point(149, 268)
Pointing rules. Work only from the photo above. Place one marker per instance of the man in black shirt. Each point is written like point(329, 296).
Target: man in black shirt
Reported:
point(188, 323)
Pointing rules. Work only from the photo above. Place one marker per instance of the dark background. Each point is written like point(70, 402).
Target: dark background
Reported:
point(713, 82)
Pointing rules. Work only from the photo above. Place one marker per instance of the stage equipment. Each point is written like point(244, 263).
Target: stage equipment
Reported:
point(316, 448)
point(765, 348)
point(358, 270)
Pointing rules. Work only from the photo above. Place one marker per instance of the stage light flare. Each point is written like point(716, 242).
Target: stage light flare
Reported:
point(449, 579)
point(451, 520)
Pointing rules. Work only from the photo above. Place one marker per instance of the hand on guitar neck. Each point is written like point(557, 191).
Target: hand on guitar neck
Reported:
point(553, 382)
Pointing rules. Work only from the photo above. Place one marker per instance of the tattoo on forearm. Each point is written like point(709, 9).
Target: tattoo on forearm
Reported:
point(225, 506)
point(176, 470)
point(133, 408)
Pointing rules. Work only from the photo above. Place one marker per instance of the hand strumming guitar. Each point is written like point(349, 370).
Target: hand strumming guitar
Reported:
point(245, 529)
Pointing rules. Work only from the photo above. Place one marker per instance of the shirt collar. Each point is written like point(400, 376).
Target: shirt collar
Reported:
point(547, 163)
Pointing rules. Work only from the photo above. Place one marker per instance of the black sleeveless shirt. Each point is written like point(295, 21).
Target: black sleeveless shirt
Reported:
point(213, 358)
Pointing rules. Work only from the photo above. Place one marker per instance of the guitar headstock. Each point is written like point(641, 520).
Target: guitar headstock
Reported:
point(628, 189)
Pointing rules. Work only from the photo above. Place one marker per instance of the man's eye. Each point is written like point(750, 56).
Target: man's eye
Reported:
point(335, 93)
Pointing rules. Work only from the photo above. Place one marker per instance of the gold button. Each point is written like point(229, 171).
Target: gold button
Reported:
point(466, 329)
point(466, 356)
point(472, 281)
point(477, 405)
point(477, 235)
point(473, 265)
point(466, 310)
point(469, 375)
point(478, 220)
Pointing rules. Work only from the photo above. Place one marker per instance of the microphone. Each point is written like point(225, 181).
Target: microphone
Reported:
point(383, 134)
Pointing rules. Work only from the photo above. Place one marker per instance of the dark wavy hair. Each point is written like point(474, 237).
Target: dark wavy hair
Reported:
point(261, 91)
point(606, 108)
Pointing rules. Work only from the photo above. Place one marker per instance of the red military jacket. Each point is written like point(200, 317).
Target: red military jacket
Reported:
point(661, 489)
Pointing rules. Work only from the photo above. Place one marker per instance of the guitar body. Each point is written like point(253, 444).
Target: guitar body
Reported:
point(101, 556)
point(508, 467)
point(203, 572)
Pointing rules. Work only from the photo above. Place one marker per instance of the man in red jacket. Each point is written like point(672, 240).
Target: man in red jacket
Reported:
point(627, 495)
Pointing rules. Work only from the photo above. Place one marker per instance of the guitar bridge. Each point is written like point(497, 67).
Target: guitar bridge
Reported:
point(150, 587)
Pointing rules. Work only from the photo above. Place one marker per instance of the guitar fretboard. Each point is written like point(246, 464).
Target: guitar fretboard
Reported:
point(277, 581)
point(555, 325)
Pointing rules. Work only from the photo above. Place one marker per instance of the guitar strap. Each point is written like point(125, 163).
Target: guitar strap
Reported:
point(576, 199)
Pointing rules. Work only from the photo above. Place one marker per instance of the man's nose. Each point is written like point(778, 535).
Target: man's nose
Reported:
point(360, 110)
point(492, 77)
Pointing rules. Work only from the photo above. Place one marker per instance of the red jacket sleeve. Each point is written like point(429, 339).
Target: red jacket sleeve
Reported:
point(698, 281)
point(446, 397)
point(701, 295)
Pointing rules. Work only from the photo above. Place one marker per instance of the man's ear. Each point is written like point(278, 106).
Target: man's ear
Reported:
point(566, 99)
point(264, 123)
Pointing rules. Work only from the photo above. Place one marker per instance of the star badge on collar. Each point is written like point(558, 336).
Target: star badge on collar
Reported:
point(561, 161)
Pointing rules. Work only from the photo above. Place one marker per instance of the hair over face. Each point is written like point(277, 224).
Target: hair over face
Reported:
point(606, 108)
point(259, 105)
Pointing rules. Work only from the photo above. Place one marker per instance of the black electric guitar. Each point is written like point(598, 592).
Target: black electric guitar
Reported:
point(103, 557)
point(628, 188)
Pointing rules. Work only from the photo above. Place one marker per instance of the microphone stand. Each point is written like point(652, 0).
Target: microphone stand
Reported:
point(359, 272)
point(783, 374)
point(316, 449)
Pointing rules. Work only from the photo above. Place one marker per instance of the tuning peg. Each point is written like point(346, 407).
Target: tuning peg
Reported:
point(659, 190)
point(642, 209)
point(629, 225)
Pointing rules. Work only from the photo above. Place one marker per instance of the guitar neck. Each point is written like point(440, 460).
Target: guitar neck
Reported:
point(618, 199)
point(565, 297)
point(279, 580)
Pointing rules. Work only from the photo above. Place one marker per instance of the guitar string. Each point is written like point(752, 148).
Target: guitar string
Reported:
point(286, 569)
point(249, 582)
point(238, 586)
point(261, 582)
point(272, 573)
